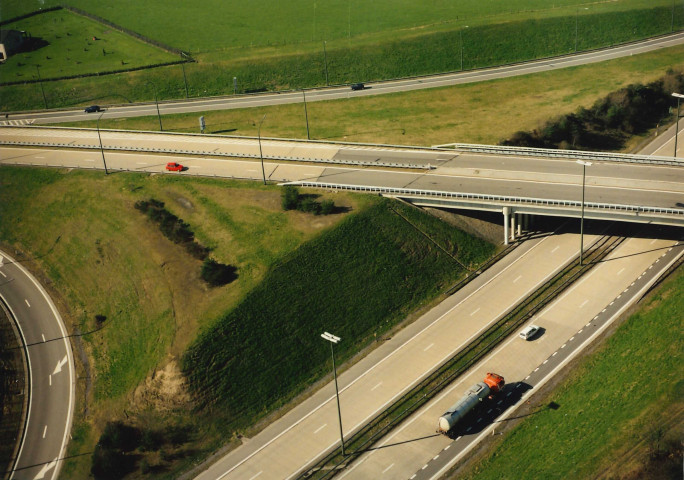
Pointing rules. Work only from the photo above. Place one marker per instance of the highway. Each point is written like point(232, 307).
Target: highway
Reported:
point(283, 449)
point(332, 93)
point(430, 170)
point(51, 371)
point(568, 324)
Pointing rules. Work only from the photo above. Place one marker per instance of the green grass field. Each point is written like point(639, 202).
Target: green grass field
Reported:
point(484, 112)
point(615, 399)
point(72, 50)
point(357, 280)
point(106, 258)
point(217, 25)
point(402, 44)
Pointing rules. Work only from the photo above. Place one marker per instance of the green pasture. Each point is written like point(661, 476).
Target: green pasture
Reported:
point(357, 280)
point(395, 53)
point(225, 25)
point(107, 259)
point(485, 112)
point(615, 399)
point(76, 45)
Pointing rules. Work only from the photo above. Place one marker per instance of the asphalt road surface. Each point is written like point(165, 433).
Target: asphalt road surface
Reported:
point(51, 370)
point(379, 88)
point(572, 321)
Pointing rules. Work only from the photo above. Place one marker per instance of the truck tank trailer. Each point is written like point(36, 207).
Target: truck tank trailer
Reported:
point(492, 384)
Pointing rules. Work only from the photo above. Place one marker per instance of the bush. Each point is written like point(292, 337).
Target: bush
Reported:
point(217, 274)
point(120, 436)
point(310, 205)
point(110, 464)
point(605, 126)
point(290, 197)
point(327, 207)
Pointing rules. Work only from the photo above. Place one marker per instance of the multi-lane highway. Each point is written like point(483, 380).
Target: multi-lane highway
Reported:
point(625, 191)
point(51, 371)
point(379, 88)
point(568, 324)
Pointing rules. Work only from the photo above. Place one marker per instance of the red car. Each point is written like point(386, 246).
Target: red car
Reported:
point(174, 167)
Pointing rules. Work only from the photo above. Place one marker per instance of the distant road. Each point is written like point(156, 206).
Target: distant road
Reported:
point(51, 372)
point(379, 88)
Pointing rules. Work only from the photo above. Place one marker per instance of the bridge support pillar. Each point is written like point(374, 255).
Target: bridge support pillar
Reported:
point(512, 226)
point(526, 223)
point(506, 215)
point(520, 221)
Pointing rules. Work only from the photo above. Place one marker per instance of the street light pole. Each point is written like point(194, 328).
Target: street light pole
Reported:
point(261, 153)
point(40, 80)
point(325, 57)
point(333, 340)
point(101, 148)
point(460, 32)
point(584, 171)
point(185, 80)
point(679, 96)
point(306, 114)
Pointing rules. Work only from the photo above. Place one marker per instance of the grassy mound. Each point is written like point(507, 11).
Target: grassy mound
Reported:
point(357, 280)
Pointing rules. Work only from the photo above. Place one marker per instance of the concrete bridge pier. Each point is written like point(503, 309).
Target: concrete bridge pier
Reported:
point(506, 213)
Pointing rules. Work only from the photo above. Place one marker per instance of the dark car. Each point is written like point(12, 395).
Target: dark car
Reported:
point(93, 109)
point(358, 86)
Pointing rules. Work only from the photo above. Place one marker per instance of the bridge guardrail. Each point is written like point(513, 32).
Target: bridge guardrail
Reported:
point(493, 198)
point(556, 153)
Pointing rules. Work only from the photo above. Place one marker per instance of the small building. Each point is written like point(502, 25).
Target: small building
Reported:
point(11, 42)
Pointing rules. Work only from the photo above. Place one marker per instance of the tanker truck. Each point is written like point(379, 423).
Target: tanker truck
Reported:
point(491, 384)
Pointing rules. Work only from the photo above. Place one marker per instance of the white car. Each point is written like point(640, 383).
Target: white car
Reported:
point(529, 332)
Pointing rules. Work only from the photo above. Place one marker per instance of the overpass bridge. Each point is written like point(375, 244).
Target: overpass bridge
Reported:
point(517, 182)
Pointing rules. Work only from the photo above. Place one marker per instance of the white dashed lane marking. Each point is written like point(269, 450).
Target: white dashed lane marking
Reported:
point(320, 428)
point(428, 347)
point(385, 470)
point(376, 386)
point(478, 309)
point(27, 303)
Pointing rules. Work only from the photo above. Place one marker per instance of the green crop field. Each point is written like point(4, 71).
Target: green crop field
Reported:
point(615, 400)
point(391, 42)
point(76, 45)
point(357, 280)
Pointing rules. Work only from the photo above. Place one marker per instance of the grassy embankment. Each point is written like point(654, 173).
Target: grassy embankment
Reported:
point(76, 45)
point(357, 280)
point(401, 47)
point(105, 258)
point(623, 402)
point(484, 112)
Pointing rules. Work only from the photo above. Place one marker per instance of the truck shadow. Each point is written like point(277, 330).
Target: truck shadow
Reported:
point(489, 410)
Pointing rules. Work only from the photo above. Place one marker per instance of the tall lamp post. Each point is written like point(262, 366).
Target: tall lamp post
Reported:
point(460, 32)
point(261, 153)
point(679, 96)
point(306, 115)
point(156, 101)
point(325, 58)
point(577, 25)
point(584, 171)
point(40, 80)
point(101, 148)
point(333, 340)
